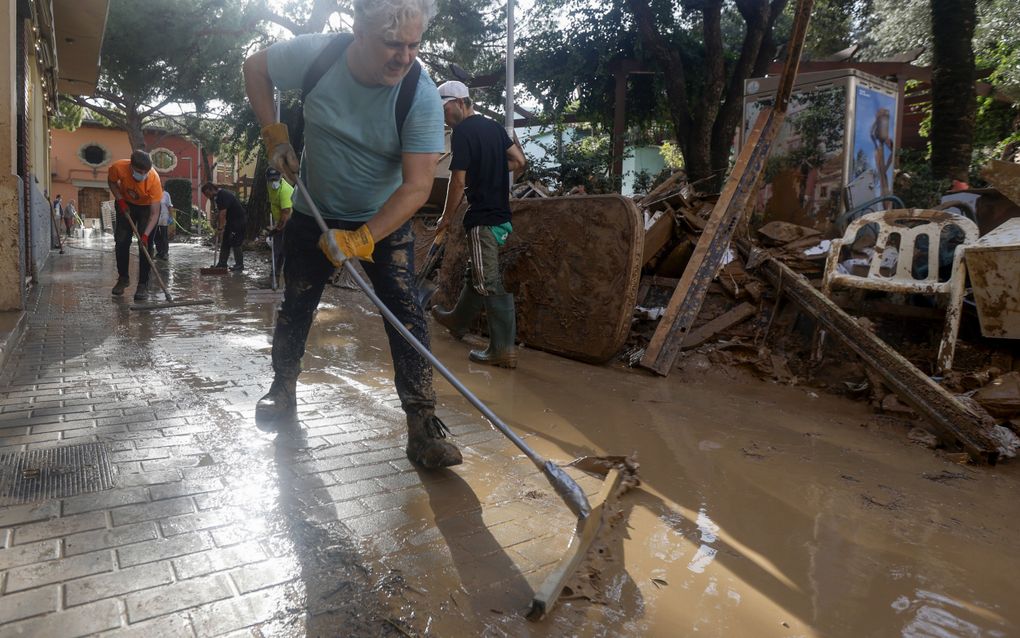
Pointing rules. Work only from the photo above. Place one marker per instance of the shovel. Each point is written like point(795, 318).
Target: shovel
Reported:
point(423, 286)
point(272, 260)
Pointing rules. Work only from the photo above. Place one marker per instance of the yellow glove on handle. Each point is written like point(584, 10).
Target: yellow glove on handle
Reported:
point(353, 243)
point(281, 154)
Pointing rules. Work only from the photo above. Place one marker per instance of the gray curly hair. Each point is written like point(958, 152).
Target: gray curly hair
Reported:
point(387, 16)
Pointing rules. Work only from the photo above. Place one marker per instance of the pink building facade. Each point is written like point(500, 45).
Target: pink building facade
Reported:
point(79, 161)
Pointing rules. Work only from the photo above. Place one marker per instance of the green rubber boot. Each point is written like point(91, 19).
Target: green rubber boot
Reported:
point(502, 332)
point(458, 321)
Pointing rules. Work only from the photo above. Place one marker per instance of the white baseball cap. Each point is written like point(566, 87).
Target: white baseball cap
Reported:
point(452, 90)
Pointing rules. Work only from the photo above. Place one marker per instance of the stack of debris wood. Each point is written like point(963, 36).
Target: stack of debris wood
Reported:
point(734, 312)
point(735, 323)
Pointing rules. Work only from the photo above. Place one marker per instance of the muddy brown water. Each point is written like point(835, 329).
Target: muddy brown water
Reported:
point(764, 510)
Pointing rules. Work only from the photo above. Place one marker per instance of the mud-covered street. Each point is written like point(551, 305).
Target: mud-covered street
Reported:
point(764, 510)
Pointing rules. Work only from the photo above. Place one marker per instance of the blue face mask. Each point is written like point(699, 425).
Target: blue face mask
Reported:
point(138, 176)
point(274, 185)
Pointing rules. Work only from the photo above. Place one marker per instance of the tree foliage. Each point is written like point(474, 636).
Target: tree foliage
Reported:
point(158, 53)
point(68, 116)
point(699, 53)
point(901, 25)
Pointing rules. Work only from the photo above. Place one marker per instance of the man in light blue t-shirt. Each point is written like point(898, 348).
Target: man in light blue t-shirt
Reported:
point(368, 178)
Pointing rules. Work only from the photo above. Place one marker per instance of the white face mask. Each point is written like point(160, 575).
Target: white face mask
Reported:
point(138, 176)
point(274, 185)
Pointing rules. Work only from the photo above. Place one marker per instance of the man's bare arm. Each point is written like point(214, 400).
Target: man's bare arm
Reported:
point(259, 87)
point(419, 171)
point(454, 196)
point(515, 158)
point(153, 217)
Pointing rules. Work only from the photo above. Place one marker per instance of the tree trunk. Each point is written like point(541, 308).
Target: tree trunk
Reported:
point(133, 128)
point(953, 101)
point(674, 74)
point(698, 149)
point(759, 18)
point(257, 206)
point(705, 132)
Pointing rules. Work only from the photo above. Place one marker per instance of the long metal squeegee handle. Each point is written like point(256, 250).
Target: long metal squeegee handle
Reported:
point(152, 265)
point(566, 487)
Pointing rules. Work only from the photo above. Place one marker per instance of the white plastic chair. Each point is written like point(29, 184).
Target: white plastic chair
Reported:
point(909, 225)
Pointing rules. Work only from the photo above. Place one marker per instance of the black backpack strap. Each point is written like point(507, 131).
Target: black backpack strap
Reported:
point(324, 62)
point(408, 87)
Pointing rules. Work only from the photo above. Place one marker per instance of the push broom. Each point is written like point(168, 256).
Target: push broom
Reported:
point(589, 519)
point(214, 269)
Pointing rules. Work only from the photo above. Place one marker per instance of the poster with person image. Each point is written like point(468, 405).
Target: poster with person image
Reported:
point(874, 145)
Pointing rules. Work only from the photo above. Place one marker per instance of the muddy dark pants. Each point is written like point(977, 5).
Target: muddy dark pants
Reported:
point(162, 240)
point(392, 275)
point(233, 237)
point(122, 235)
point(279, 244)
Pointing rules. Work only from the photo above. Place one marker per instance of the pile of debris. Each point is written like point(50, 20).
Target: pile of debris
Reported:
point(736, 315)
point(746, 320)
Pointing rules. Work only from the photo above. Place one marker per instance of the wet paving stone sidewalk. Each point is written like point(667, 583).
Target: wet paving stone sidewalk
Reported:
point(764, 510)
point(212, 526)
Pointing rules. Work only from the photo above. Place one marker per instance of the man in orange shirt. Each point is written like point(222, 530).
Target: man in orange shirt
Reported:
point(138, 192)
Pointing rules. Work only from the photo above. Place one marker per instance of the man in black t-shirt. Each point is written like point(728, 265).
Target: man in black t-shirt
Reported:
point(483, 157)
point(232, 220)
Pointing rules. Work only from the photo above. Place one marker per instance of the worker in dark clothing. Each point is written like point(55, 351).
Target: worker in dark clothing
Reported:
point(232, 219)
point(483, 156)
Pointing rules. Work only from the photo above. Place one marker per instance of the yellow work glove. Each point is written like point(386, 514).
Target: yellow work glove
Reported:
point(281, 154)
point(353, 243)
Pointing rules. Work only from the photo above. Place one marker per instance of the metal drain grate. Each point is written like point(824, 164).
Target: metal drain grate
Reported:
point(55, 472)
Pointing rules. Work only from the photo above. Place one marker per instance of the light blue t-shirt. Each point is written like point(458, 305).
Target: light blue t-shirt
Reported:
point(351, 162)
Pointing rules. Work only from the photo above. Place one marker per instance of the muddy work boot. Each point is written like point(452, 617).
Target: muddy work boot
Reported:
point(458, 321)
point(279, 404)
point(121, 286)
point(501, 352)
point(142, 292)
point(425, 441)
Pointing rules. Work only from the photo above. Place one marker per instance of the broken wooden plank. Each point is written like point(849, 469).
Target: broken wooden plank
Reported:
point(685, 305)
point(695, 222)
point(584, 536)
point(658, 235)
point(701, 269)
point(726, 320)
point(668, 183)
point(954, 423)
